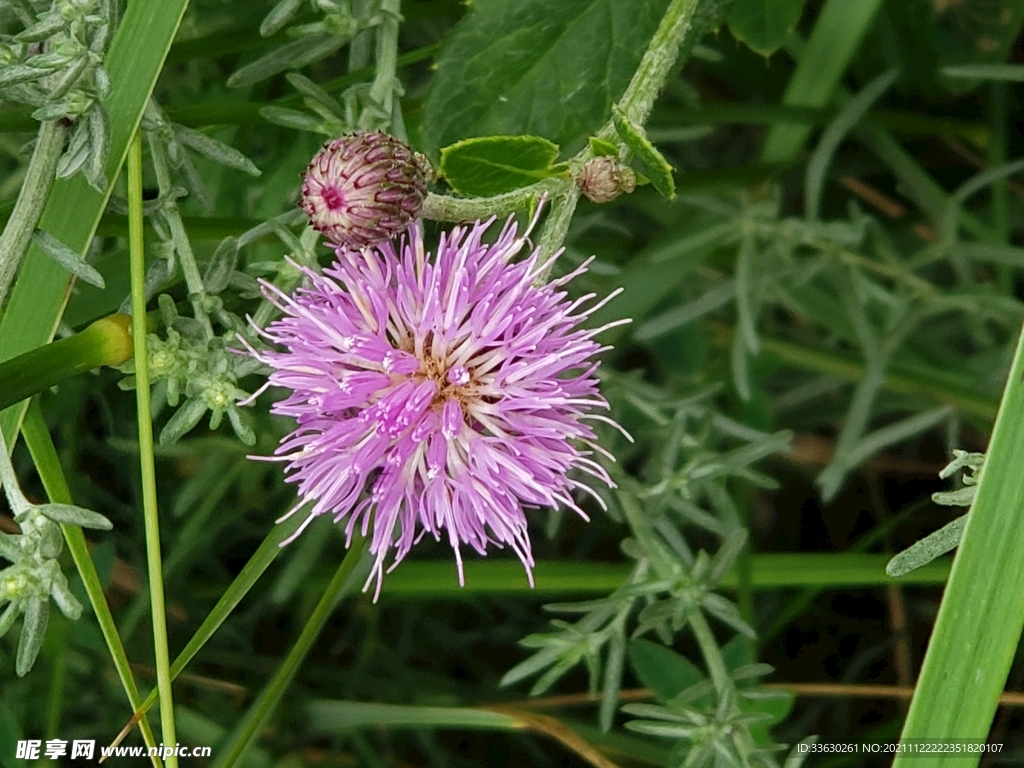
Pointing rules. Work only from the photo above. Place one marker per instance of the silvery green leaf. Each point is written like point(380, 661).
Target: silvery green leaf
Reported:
point(70, 514)
point(727, 612)
point(101, 81)
point(76, 154)
point(22, 73)
point(279, 16)
point(37, 615)
point(222, 264)
point(66, 601)
point(193, 182)
point(215, 150)
point(962, 460)
point(50, 538)
point(41, 30)
point(727, 554)
point(53, 111)
point(156, 276)
point(168, 311)
point(9, 547)
point(961, 497)
point(293, 55)
point(8, 617)
point(118, 205)
point(69, 77)
point(288, 218)
point(246, 285)
point(98, 122)
point(174, 152)
point(749, 671)
point(927, 549)
point(308, 88)
point(240, 425)
point(67, 258)
point(291, 118)
point(183, 420)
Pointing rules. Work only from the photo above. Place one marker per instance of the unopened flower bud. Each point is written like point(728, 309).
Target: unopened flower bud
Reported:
point(364, 188)
point(602, 179)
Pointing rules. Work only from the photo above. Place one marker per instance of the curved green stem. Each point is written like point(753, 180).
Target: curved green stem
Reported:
point(246, 729)
point(44, 456)
point(148, 468)
point(457, 209)
point(29, 207)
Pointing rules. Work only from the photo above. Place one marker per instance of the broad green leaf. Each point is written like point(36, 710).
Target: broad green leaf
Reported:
point(764, 25)
point(492, 165)
point(658, 169)
point(662, 670)
point(550, 68)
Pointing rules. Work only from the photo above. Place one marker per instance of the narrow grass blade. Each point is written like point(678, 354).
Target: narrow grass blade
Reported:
point(837, 34)
point(982, 613)
point(832, 137)
point(73, 208)
point(44, 455)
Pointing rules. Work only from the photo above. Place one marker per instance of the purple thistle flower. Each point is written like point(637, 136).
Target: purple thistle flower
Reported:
point(441, 395)
point(364, 188)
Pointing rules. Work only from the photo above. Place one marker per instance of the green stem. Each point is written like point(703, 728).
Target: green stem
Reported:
point(383, 89)
point(556, 227)
point(29, 207)
point(148, 468)
point(179, 237)
point(245, 731)
point(105, 342)
point(903, 382)
point(636, 103)
point(657, 63)
point(456, 209)
point(710, 651)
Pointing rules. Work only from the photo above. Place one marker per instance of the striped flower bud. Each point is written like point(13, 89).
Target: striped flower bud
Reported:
point(364, 188)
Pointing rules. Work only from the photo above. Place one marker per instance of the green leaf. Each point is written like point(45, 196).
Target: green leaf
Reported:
point(550, 68)
point(602, 148)
point(294, 55)
point(68, 259)
point(662, 670)
point(764, 25)
point(495, 164)
point(658, 169)
point(69, 514)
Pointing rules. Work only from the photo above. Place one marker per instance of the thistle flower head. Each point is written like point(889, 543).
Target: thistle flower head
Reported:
point(603, 178)
point(438, 394)
point(364, 188)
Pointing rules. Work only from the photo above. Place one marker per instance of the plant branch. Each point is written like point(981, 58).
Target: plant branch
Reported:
point(27, 210)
